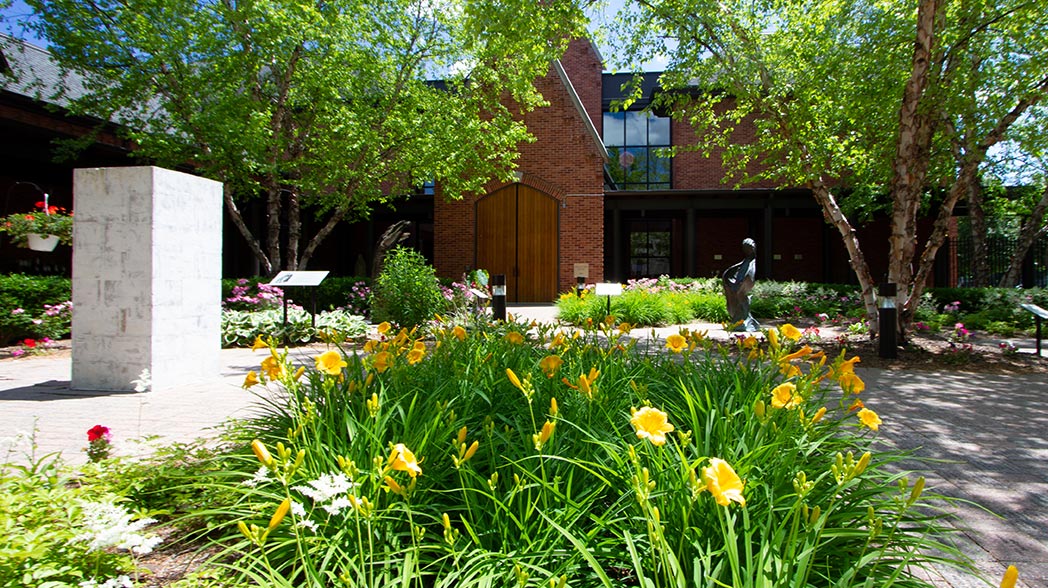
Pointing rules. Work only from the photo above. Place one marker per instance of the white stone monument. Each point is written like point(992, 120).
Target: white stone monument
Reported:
point(147, 268)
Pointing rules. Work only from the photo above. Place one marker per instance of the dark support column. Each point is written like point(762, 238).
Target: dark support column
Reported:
point(498, 297)
point(689, 242)
point(887, 320)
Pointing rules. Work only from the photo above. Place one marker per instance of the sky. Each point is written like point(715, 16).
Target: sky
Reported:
point(15, 15)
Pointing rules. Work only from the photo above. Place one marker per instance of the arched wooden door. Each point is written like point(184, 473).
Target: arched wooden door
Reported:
point(517, 236)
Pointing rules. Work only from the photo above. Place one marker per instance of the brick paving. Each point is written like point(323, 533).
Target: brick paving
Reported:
point(982, 437)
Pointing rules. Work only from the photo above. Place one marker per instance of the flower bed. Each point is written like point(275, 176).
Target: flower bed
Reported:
point(506, 457)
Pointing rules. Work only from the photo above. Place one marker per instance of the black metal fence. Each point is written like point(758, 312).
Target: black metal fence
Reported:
point(999, 253)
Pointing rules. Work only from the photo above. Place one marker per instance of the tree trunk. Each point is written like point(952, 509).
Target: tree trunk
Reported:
point(273, 228)
point(294, 230)
point(1032, 227)
point(832, 212)
point(980, 250)
point(910, 165)
point(238, 221)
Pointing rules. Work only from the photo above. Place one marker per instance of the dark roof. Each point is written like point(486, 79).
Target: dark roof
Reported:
point(611, 88)
point(32, 73)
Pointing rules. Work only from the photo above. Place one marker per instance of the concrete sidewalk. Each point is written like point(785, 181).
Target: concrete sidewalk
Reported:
point(988, 434)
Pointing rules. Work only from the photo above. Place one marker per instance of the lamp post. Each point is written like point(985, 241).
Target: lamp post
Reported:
point(498, 297)
point(887, 320)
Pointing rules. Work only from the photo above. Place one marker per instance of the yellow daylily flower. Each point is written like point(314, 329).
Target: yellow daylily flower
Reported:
point(844, 367)
point(250, 380)
point(856, 405)
point(676, 343)
point(543, 436)
point(416, 355)
point(802, 352)
point(851, 383)
point(869, 418)
point(330, 362)
point(784, 396)
point(651, 424)
point(381, 361)
point(259, 343)
point(625, 328)
point(401, 459)
point(749, 342)
point(791, 332)
point(273, 368)
point(550, 364)
point(459, 333)
point(789, 370)
point(514, 337)
point(723, 483)
point(384, 327)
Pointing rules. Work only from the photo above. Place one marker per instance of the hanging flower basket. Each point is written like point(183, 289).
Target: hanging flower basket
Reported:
point(42, 229)
point(38, 242)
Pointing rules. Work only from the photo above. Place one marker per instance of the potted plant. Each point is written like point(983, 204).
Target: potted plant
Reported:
point(42, 229)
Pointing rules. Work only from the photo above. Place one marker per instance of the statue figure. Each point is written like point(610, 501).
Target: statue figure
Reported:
point(738, 281)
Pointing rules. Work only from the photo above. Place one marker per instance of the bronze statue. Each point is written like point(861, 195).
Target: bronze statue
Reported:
point(738, 281)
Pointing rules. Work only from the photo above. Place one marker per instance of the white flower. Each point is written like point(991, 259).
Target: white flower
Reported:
point(144, 381)
point(308, 524)
point(326, 487)
point(298, 510)
point(337, 505)
point(260, 477)
point(117, 582)
point(110, 525)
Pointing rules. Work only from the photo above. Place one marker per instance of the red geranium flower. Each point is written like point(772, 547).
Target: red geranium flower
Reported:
point(97, 432)
point(30, 343)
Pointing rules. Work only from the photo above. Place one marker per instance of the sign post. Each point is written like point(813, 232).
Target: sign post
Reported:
point(287, 279)
point(609, 290)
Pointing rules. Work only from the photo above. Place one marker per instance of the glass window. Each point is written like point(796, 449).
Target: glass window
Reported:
point(632, 139)
point(650, 245)
point(614, 132)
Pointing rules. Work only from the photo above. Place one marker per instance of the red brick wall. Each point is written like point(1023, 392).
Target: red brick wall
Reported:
point(799, 244)
point(692, 170)
point(585, 70)
point(563, 162)
point(719, 237)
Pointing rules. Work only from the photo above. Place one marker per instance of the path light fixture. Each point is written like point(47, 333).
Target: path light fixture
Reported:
point(887, 320)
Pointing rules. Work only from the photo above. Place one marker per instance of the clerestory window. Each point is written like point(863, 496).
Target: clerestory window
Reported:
point(633, 139)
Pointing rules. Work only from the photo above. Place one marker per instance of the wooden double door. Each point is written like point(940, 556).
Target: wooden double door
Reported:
point(517, 236)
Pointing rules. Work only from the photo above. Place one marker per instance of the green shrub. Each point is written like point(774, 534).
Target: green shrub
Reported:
point(55, 532)
point(25, 299)
point(407, 292)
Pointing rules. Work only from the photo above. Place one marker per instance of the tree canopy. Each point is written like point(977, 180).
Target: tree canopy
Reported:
point(853, 99)
point(329, 106)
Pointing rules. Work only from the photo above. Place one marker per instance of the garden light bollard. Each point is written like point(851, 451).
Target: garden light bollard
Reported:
point(580, 285)
point(498, 297)
point(887, 321)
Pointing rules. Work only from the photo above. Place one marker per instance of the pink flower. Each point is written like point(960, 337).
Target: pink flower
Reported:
point(17, 352)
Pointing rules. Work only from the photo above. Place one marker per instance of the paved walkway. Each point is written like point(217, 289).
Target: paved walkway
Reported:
point(989, 431)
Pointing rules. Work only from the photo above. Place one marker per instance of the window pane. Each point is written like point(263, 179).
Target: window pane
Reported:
point(614, 131)
point(659, 170)
point(658, 131)
point(636, 128)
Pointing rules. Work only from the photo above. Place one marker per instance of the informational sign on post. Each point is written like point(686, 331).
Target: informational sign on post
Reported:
point(609, 290)
point(291, 279)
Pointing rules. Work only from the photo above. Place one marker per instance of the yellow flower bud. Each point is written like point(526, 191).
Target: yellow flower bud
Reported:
point(280, 513)
point(262, 453)
point(1011, 576)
